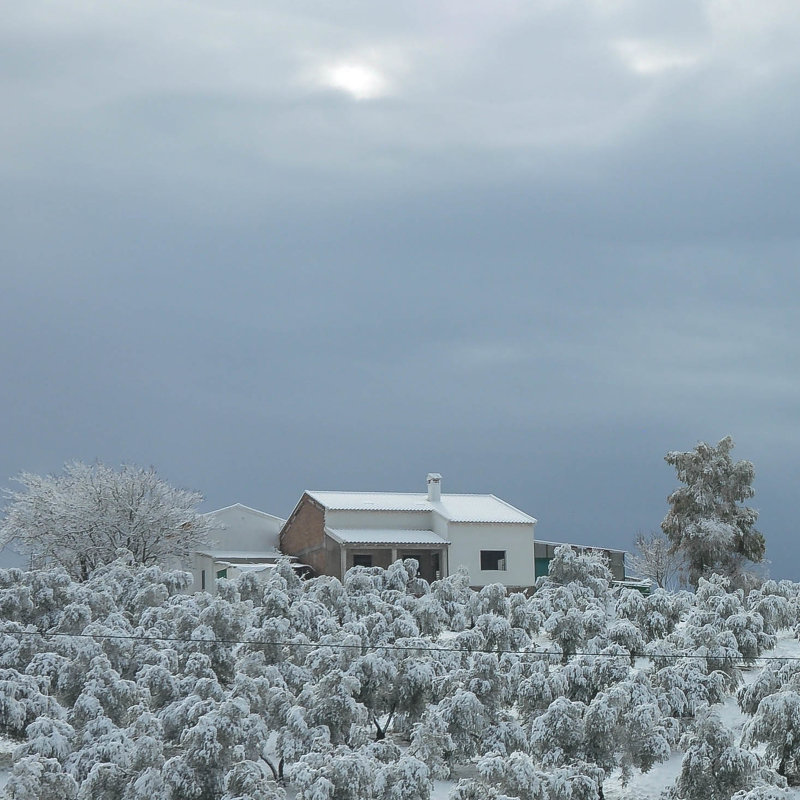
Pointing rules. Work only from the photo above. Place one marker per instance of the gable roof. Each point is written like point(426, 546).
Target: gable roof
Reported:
point(244, 508)
point(480, 508)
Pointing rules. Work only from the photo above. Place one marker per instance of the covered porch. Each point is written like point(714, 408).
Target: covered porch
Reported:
point(380, 548)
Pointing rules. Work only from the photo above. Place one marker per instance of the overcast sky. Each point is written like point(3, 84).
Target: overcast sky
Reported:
point(530, 245)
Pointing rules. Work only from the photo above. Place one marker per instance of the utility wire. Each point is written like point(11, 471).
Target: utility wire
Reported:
point(422, 649)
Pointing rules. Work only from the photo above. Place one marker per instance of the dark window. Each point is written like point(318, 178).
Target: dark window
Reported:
point(362, 560)
point(202, 580)
point(223, 573)
point(493, 560)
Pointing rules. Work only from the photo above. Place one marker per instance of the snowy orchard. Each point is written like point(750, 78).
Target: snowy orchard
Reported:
point(127, 687)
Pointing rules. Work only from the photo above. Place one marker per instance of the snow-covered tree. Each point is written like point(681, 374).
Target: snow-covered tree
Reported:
point(219, 739)
point(777, 724)
point(763, 793)
point(568, 629)
point(774, 603)
point(713, 768)
point(38, 778)
point(538, 689)
point(706, 520)
point(22, 700)
point(588, 568)
point(83, 517)
point(405, 778)
point(519, 777)
point(654, 558)
point(247, 781)
point(454, 595)
point(516, 775)
point(466, 719)
point(524, 614)
point(558, 735)
point(686, 684)
point(625, 729)
point(331, 702)
point(342, 775)
point(433, 744)
point(776, 676)
point(49, 738)
point(377, 678)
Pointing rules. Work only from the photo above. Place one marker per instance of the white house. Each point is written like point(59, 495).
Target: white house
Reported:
point(333, 531)
point(246, 539)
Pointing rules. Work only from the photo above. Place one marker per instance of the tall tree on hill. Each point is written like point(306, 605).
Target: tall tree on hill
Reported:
point(706, 520)
point(83, 517)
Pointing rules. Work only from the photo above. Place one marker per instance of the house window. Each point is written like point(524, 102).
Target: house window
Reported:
point(223, 573)
point(362, 560)
point(202, 580)
point(493, 560)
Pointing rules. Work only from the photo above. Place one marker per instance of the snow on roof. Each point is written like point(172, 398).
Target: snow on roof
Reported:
point(385, 537)
point(583, 546)
point(251, 567)
point(242, 507)
point(453, 507)
point(235, 555)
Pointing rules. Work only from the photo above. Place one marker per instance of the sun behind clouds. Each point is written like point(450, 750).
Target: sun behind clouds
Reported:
point(359, 80)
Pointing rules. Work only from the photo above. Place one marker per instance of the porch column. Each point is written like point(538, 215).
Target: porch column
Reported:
point(445, 562)
point(394, 555)
point(343, 560)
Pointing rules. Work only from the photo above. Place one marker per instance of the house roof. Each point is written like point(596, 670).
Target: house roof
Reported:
point(453, 507)
point(583, 546)
point(242, 507)
point(236, 555)
point(385, 537)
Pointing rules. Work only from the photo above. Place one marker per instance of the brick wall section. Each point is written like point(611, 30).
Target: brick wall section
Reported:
point(303, 535)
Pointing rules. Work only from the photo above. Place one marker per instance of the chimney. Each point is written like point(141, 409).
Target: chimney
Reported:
point(434, 487)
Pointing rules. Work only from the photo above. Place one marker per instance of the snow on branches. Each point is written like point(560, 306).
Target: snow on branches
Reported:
point(124, 686)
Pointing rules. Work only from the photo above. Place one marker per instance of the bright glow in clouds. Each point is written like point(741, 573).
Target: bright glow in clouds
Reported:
point(356, 79)
point(648, 58)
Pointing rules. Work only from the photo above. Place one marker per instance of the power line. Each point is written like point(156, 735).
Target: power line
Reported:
point(422, 648)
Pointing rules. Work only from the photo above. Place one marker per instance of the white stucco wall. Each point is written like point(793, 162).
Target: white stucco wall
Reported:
point(468, 539)
point(244, 528)
point(379, 520)
point(202, 562)
point(440, 526)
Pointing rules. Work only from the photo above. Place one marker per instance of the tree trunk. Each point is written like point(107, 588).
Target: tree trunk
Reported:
point(380, 733)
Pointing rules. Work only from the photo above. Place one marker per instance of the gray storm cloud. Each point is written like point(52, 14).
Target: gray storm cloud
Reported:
point(532, 246)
